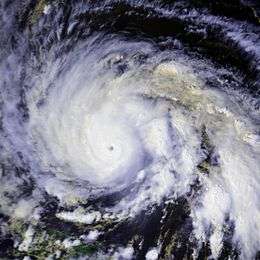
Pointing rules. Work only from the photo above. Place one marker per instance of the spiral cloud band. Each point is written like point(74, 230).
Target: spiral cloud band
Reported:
point(117, 116)
point(107, 129)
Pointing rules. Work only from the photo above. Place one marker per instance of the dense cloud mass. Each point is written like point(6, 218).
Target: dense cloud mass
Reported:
point(129, 130)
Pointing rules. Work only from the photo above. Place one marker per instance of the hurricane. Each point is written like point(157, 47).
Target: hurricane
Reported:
point(129, 129)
